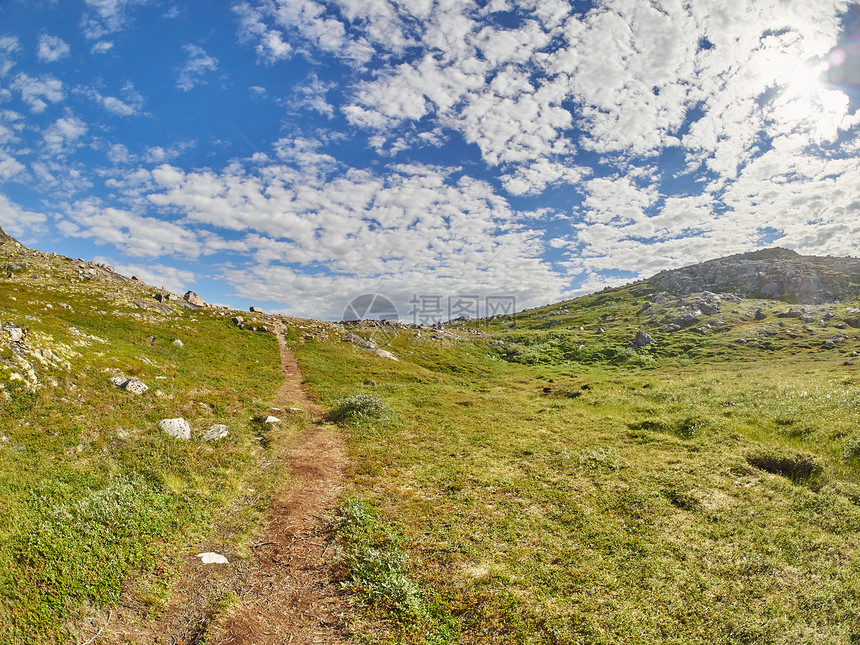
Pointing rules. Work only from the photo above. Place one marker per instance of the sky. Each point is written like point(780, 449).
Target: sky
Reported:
point(451, 156)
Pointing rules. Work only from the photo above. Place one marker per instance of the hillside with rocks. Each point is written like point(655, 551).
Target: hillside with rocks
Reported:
point(777, 274)
point(171, 468)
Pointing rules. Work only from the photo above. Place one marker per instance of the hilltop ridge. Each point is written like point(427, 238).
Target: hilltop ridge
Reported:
point(774, 273)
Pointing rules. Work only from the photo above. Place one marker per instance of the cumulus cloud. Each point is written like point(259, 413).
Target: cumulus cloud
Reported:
point(105, 16)
point(132, 234)
point(35, 91)
point(10, 167)
point(158, 275)
point(199, 64)
point(64, 134)
point(8, 46)
point(101, 47)
point(406, 227)
point(19, 222)
point(52, 48)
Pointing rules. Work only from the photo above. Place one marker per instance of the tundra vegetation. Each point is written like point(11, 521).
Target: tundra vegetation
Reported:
point(528, 480)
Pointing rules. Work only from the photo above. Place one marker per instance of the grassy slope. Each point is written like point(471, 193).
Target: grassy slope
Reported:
point(619, 506)
point(91, 491)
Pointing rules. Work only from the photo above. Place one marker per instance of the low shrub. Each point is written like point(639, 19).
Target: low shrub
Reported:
point(361, 408)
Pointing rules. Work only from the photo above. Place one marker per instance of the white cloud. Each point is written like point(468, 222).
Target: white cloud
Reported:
point(157, 275)
point(161, 154)
point(101, 47)
point(312, 95)
point(119, 154)
point(132, 234)
point(19, 222)
point(10, 167)
point(34, 90)
point(106, 16)
point(410, 228)
point(52, 48)
point(63, 134)
point(198, 65)
point(8, 46)
point(129, 105)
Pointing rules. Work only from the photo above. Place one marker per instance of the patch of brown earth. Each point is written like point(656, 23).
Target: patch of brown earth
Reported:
point(285, 592)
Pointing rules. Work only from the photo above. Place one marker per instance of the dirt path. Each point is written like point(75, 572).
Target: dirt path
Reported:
point(289, 598)
point(285, 594)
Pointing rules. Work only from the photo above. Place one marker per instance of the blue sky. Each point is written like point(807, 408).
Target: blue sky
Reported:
point(299, 153)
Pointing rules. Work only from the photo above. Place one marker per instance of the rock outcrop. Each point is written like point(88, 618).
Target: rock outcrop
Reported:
point(777, 274)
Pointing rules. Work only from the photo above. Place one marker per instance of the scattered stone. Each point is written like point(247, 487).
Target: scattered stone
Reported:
point(135, 278)
point(178, 342)
point(192, 298)
point(212, 558)
point(263, 329)
point(162, 297)
point(759, 315)
point(600, 330)
point(642, 339)
point(15, 333)
point(119, 381)
point(672, 328)
point(237, 320)
point(178, 428)
point(382, 353)
point(269, 420)
point(217, 431)
point(152, 338)
point(135, 386)
point(690, 317)
point(255, 310)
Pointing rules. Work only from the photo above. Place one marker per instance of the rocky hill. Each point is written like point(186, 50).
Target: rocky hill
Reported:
point(777, 274)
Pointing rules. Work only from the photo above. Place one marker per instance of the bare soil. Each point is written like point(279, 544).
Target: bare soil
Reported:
point(285, 592)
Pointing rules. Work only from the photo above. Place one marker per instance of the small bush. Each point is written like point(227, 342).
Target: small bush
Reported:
point(362, 407)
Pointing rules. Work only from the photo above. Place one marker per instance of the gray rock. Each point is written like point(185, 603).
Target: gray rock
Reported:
point(382, 353)
point(237, 320)
point(269, 420)
point(135, 386)
point(793, 312)
point(15, 333)
point(806, 319)
point(217, 431)
point(192, 298)
point(263, 329)
point(178, 428)
point(642, 339)
point(690, 317)
point(759, 315)
point(162, 297)
point(255, 310)
point(671, 328)
point(119, 381)
point(178, 342)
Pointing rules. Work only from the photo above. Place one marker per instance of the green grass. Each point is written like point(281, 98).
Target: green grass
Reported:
point(575, 503)
point(94, 499)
